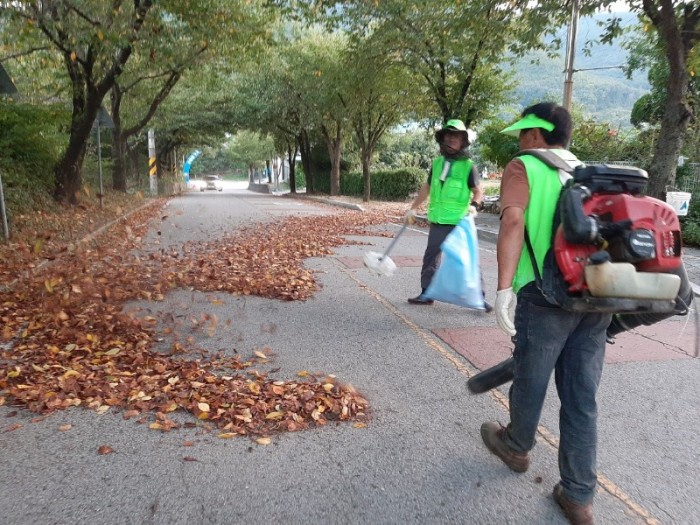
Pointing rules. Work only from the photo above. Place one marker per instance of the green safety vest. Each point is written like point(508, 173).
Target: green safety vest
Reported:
point(449, 200)
point(545, 188)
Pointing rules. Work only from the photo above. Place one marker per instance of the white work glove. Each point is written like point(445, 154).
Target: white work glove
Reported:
point(472, 212)
point(505, 310)
point(410, 217)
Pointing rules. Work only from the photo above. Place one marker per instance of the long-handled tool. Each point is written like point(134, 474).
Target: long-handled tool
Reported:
point(381, 262)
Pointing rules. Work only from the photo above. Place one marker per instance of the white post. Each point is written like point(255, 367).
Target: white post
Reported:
point(570, 53)
point(99, 160)
point(3, 212)
point(152, 169)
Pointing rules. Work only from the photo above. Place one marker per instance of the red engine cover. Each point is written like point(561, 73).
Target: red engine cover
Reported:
point(645, 213)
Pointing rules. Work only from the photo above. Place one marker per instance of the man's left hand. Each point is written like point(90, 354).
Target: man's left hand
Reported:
point(505, 310)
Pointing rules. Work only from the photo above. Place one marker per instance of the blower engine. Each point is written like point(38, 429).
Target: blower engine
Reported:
point(615, 246)
point(617, 251)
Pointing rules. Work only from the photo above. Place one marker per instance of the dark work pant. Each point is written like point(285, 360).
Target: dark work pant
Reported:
point(572, 345)
point(431, 258)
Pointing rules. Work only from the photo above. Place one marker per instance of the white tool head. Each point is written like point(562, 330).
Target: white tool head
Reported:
point(382, 264)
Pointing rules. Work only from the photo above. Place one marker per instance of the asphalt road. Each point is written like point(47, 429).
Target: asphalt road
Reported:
point(419, 460)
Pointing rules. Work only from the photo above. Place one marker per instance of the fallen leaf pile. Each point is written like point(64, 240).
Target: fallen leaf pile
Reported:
point(66, 339)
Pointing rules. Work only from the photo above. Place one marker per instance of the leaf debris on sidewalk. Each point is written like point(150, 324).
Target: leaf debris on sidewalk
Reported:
point(67, 340)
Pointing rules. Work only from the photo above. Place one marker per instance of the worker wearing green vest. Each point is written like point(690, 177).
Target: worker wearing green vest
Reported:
point(452, 187)
point(547, 338)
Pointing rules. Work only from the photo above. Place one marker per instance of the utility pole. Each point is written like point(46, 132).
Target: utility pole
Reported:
point(570, 53)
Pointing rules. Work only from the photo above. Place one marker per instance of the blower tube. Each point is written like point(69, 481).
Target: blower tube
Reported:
point(503, 372)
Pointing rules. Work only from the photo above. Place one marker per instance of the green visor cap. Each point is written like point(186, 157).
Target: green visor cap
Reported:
point(455, 124)
point(527, 122)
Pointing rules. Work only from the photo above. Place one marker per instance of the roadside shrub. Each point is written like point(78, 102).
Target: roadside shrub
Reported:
point(299, 177)
point(388, 185)
point(30, 142)
point(397, 185)
point(690, 224)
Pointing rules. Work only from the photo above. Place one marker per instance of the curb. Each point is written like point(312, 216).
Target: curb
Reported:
point(330, 201)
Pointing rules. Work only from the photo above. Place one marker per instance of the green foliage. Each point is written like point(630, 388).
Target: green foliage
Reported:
point(250, 149)
point(495, 147)
point(690, 224)
point(691, 232)
point(406, 149)
point(389, 185)
point(30, 142)
point(598, 141)
point(299, 177)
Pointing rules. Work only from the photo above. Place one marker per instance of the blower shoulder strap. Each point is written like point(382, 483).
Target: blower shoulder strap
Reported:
point(565, 170)
point(549, 157)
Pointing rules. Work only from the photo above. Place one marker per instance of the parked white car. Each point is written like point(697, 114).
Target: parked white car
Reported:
point(212, 182)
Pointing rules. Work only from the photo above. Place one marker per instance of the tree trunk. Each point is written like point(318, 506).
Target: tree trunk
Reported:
point(118, 160)
point(366, 155)
point(67, 172)
point(291, 155)
point(335, 144)
point(305, 150)
point(662, 172)
point(334, 152)
point(118, 142)
point(677, 115)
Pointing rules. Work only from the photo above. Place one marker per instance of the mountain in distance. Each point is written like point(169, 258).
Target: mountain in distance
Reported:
point(606, 95)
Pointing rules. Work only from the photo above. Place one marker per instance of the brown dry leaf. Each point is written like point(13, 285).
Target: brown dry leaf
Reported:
point(64, 428)
point(359, 425)
point(69, 354)
point(104, 449)
point(189, 458)
point(263, 441)
point(227, 435)
point(188, 444)
point(204, 407)
point(13, 427)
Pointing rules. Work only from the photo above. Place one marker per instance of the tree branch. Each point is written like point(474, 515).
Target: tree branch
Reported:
point(24, 53)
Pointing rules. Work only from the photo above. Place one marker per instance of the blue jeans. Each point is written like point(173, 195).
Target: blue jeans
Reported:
point(573, 345)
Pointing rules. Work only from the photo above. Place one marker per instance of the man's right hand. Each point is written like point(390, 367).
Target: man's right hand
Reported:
point(505, 310)
point(410, 217)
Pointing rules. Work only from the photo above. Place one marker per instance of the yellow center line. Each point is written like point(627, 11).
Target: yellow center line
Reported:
point(547, 436)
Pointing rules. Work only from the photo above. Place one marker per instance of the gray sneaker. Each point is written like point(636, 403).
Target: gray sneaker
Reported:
point(492, 434)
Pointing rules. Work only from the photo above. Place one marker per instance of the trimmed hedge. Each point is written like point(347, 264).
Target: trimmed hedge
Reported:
point(388, 185)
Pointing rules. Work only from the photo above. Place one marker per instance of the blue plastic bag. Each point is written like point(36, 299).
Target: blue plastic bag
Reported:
point(458, 279)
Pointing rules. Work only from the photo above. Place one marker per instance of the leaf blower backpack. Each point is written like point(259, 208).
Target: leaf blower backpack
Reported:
point(613, 250)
